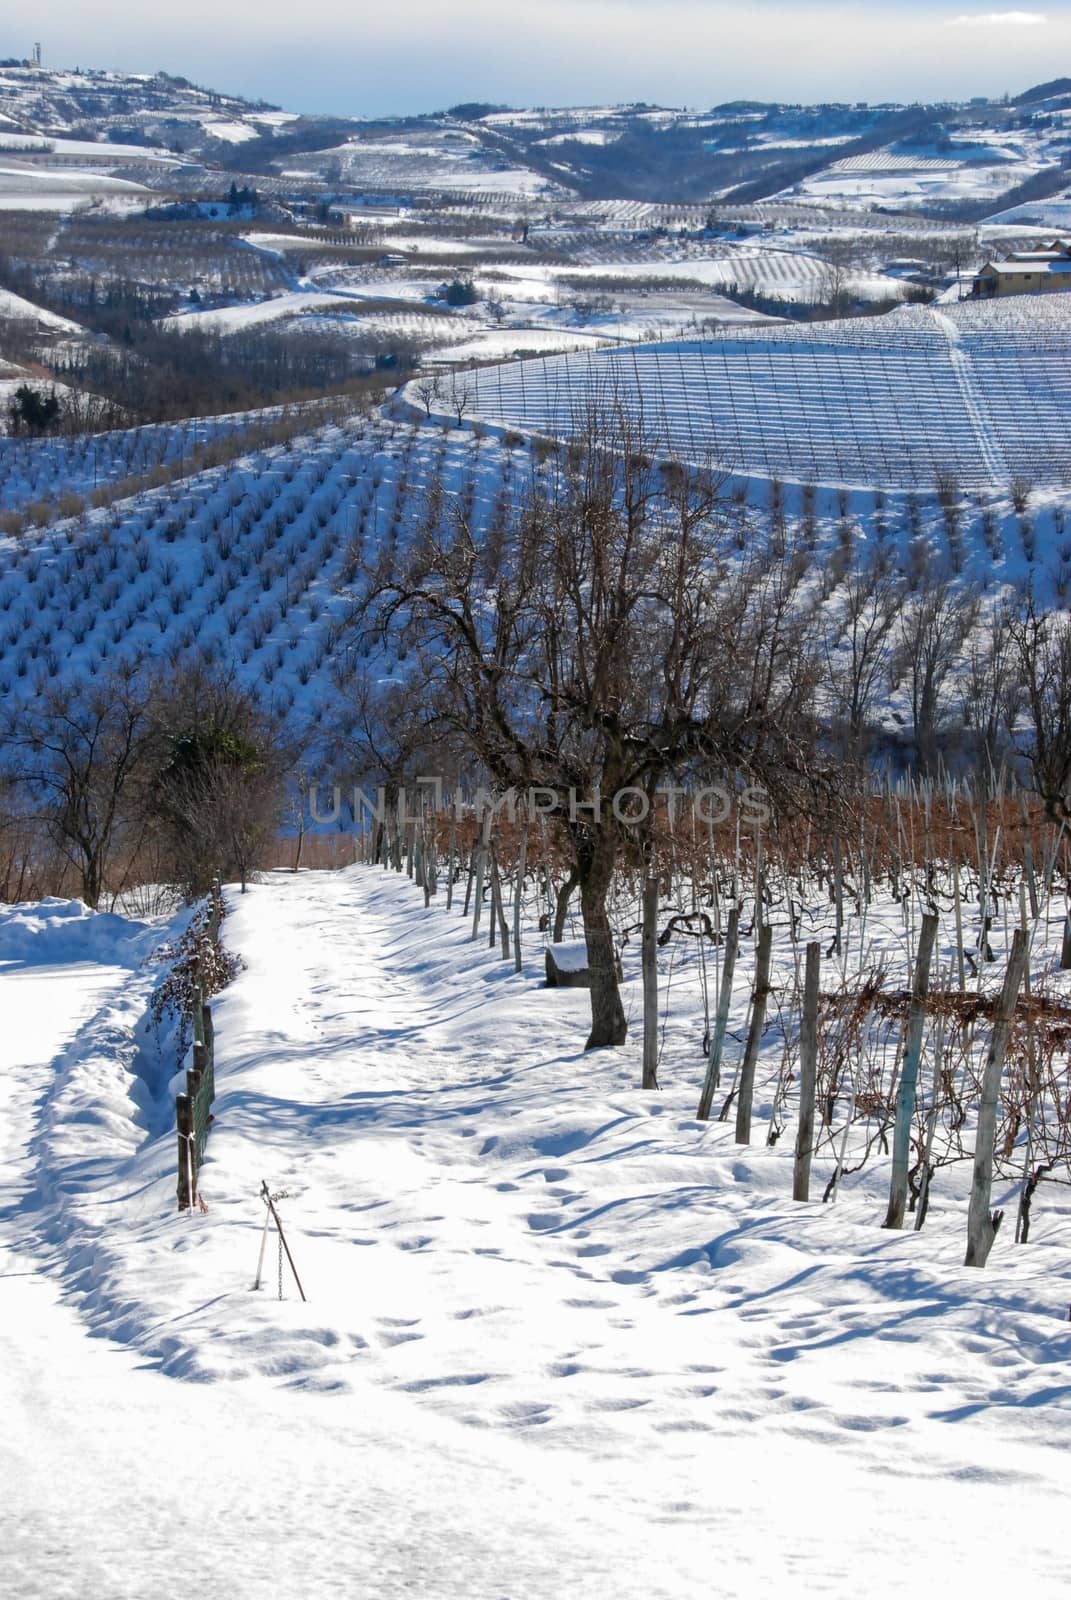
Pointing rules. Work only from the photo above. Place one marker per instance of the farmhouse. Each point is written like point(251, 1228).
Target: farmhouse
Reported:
point(1026, 272)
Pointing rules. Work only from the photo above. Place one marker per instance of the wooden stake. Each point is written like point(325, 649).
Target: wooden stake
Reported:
point(909, 1072)
point(801, 1176)
point(982, 1225)
point(649, 961)
point(518, 894)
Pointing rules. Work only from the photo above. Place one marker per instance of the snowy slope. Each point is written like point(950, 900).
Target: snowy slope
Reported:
point(248, 564)
point(15, 308)
point(981, 391)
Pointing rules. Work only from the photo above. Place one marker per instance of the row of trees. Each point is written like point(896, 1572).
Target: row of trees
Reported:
point(159, 373)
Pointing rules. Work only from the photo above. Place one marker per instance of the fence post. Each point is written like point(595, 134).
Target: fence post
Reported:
point(184, 1125)
point(982, 1225)
point(649, 949)
point(801, 1175)
point(909, 1074)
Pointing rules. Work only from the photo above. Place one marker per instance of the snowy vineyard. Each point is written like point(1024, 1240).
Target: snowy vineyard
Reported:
point(887, 403)
point(239, 547)
point(862, 1005)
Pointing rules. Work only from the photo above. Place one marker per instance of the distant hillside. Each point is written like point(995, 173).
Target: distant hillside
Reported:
point(1044, 91)
point(154, 109)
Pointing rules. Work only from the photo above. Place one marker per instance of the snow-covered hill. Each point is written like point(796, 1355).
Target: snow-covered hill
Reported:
point(978, 391)
point(131, 548)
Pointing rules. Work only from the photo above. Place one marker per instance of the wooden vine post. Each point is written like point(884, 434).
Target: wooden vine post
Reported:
point(649, 959)
point(801, 1174)
point(982, 1224)
point(909, 1074)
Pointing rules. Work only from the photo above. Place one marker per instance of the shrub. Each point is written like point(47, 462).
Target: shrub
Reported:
point(1020, 490)
point(200, 967)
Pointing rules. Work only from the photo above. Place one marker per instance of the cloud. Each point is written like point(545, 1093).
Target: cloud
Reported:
point(999, 19)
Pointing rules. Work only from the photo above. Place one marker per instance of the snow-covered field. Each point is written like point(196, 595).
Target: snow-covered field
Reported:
point(558, 1336)
point(983, 165)
point(981, 392)
point(232, 319)
point(15, 308)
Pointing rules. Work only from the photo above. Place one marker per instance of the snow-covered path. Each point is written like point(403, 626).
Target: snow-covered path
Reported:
point(558, 1337)
point(41, 1018)
point(118, 1480)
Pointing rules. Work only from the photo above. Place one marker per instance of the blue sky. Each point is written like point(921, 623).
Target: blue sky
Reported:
point(413, 55)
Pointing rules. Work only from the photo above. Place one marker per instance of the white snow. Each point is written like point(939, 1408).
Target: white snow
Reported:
point(229, 319)
point(559, 1337)
point(15, 307)
point(884, 401)
point(230, 132)
point(598, 136)
point(104, 153)
point(500, 344)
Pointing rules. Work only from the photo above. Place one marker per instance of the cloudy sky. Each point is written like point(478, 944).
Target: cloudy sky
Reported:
point(358, 58)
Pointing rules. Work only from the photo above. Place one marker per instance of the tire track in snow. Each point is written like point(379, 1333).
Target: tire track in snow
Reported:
point(974, 401)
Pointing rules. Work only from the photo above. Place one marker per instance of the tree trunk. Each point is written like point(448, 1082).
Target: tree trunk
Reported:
point(650, 984)
point(498, 909)
point(801, 1176)
point(608, 1024)
point(721, 1021)
point(561, 905)
point(451, 853)
point(518, 896)
point(480, 861)
point(92, 880)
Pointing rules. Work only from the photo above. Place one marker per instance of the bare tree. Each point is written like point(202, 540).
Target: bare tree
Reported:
point(428, 390)
point(859, 659)
point(390, 737)
point(932, 633)
point(595, 638)
point(1042, 644)
point(218, 788)
point(992, 695)
point(460, 396)
point(835, 275)
point(77, 758)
